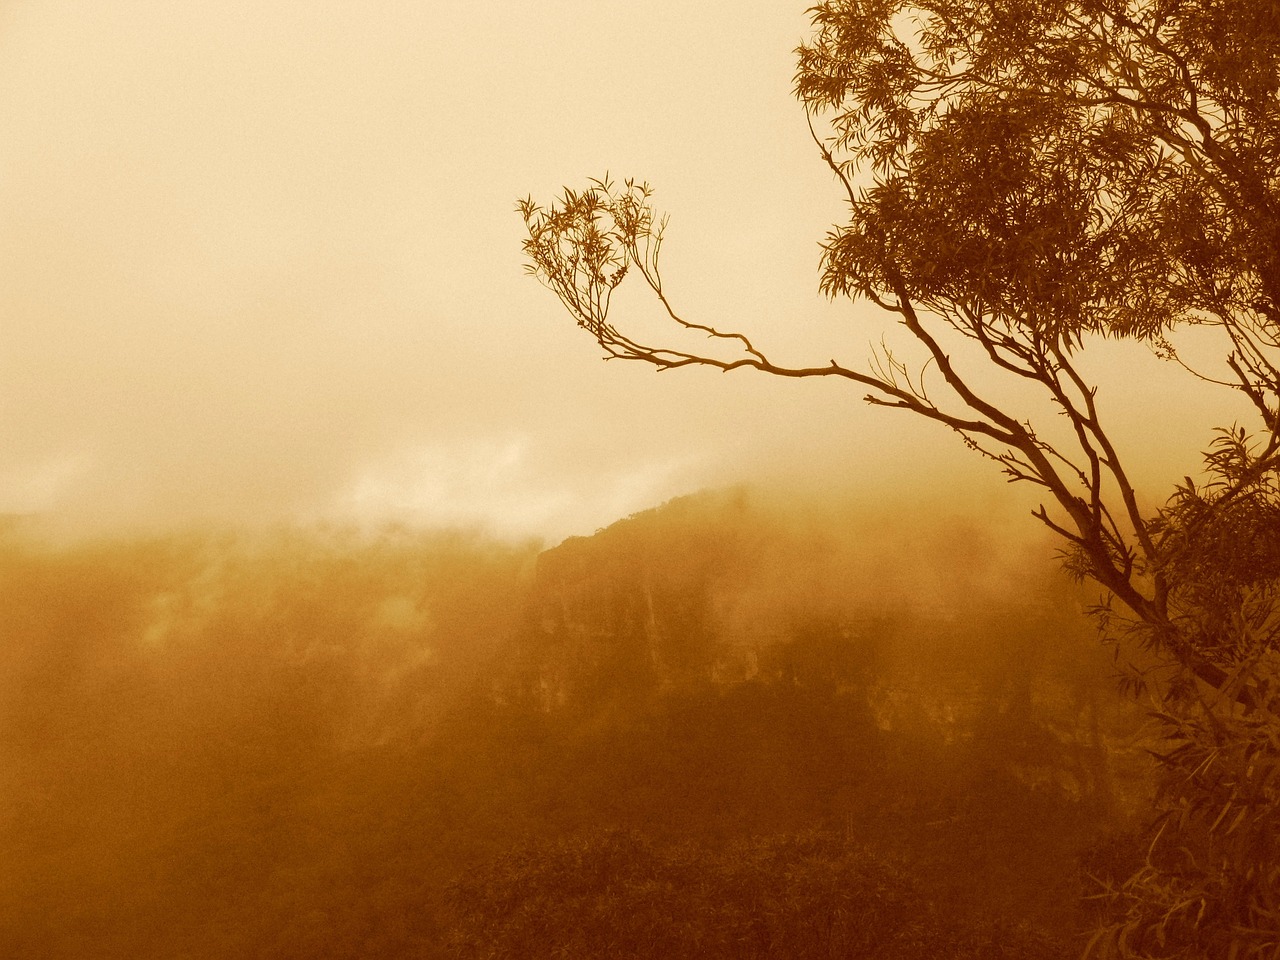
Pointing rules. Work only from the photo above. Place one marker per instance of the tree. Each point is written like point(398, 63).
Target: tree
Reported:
point(1024, 178)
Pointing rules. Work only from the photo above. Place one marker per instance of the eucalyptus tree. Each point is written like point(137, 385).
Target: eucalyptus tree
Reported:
point(1025, 178)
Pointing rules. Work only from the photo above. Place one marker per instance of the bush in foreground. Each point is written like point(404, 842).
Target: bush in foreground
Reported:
point(616, 894)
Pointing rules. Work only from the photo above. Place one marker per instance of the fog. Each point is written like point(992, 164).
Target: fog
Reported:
point(260, 264)
point(300, 742)
point(332, 596)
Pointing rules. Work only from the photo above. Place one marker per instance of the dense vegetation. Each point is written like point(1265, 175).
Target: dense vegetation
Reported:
point(796, 897)
point(323, 745)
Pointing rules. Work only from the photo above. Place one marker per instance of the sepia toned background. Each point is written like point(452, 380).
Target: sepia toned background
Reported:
point(260, 262)
point(314, 666)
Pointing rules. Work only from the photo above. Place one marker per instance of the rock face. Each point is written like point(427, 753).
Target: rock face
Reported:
point(722, 587)
point(632, 609)
point(941, 635)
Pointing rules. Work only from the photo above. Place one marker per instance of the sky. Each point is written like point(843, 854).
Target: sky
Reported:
point(260, 262)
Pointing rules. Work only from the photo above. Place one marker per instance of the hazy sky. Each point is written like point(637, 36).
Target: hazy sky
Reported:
point(259, 260)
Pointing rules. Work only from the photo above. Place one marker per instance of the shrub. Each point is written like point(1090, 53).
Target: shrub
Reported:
point(617, 895)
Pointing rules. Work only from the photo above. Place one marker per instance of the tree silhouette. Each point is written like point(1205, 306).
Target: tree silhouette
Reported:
point(1023, 178)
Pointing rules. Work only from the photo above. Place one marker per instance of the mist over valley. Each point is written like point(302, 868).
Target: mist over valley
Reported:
point(314, 742)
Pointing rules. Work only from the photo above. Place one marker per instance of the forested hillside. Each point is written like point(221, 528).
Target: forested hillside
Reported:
point(731, 719)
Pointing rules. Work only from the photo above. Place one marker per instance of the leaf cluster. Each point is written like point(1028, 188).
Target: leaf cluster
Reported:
point(1220, 551)
point(1064, 166)
point(583, 247)
point(1210, 883)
